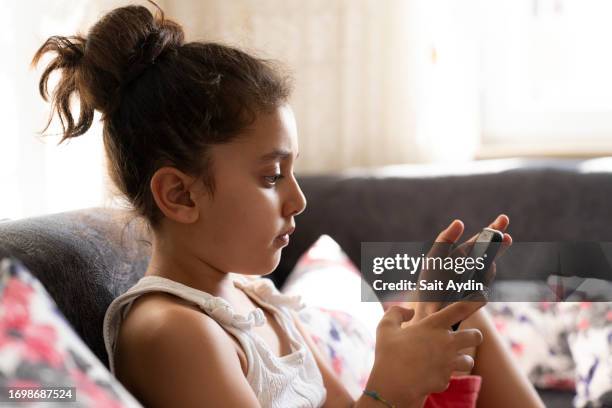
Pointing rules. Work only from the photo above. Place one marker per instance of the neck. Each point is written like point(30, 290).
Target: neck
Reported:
point(169, 261)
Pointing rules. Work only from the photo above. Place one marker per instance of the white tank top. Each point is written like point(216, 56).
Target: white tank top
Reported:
point(293, 380)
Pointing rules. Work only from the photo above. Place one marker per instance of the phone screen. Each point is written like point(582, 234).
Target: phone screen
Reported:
point(485, 248)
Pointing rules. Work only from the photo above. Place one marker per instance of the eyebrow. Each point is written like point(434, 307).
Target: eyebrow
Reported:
point(276, 154)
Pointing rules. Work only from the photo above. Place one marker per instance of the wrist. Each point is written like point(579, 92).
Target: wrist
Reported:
point(387, 389)
point(365, 401)
point(378, 398)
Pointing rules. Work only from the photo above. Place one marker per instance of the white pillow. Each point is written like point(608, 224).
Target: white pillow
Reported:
point(341, 325)
point(325, 277)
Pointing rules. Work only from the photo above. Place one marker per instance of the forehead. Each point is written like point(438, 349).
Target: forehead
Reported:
point(271, 134)
point(258, 145)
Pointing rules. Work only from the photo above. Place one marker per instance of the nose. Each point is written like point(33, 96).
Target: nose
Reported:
point(296, 201)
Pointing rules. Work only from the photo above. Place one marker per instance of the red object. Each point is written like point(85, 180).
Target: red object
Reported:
point(462, 392)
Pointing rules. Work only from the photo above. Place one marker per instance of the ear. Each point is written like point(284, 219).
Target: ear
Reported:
point(173, 193)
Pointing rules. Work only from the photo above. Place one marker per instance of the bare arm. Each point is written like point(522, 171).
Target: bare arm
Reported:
point(182, 358)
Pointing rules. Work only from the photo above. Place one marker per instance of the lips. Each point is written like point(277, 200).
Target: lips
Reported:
point(287, 232)
point(283, 239)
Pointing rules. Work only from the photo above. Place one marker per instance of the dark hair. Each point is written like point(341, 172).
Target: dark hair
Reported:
point(163, 101)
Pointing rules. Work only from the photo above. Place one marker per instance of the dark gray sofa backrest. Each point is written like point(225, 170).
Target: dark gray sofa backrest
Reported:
point(83, 258)
point(547, 200)
point(86, 258)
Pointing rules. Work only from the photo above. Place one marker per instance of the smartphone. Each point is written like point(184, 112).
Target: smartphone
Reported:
point(485, 249)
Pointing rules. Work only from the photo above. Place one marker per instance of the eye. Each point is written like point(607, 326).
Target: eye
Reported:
point(273, 179)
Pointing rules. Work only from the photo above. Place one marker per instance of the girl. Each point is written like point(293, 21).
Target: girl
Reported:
point(201, 140)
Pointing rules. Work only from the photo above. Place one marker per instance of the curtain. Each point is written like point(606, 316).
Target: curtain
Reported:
point(351, 60)
point(36, 175)
point(376, 83)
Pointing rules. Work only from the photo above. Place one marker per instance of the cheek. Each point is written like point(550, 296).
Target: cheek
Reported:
point(244, 231)
point(253, 213)
point(266, 201)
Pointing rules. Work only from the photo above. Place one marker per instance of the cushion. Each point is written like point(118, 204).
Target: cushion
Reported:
point(325, 277)
point(561, 345)
point(537, 336)
point(343, 327)
point(38, 348)
point(590, 342)
point(345, 343)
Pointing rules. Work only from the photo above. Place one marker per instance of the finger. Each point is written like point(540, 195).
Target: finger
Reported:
point(467, 338)
point(452, 233)
point(446, 239)
point(453, 313)
point(506, 243)
point(463, 363)
point(500, 223)
point(395, 316)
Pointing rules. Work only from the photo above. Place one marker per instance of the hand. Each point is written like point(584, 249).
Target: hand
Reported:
point(414, 360)
point(443, 248)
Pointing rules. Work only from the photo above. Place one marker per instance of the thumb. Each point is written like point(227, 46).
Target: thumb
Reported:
point(395, 316)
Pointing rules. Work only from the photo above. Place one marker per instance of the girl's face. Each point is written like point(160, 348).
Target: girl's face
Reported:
point(256, 197)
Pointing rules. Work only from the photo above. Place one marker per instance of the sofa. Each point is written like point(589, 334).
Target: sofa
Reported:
point(86, 258)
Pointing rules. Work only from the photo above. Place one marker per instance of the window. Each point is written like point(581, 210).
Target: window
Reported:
point(547, 75)
point(36, 175)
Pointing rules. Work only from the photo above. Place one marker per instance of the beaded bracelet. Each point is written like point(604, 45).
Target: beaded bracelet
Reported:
point(377, 397)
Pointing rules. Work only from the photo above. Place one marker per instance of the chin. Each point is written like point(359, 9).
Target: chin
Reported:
point(272, 265)
point(265, 267)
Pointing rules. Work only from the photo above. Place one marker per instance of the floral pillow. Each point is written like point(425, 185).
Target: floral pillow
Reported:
point(345, 342)
point(325, 277)
point(39, 349)
point(343, 327)
point(561, 345)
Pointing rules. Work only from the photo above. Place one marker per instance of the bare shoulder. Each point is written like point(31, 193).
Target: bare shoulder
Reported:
point(169, 353)
point(153, 314)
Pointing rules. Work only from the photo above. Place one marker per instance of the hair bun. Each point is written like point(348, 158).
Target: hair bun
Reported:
point(167, 36)
point(120, 48)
